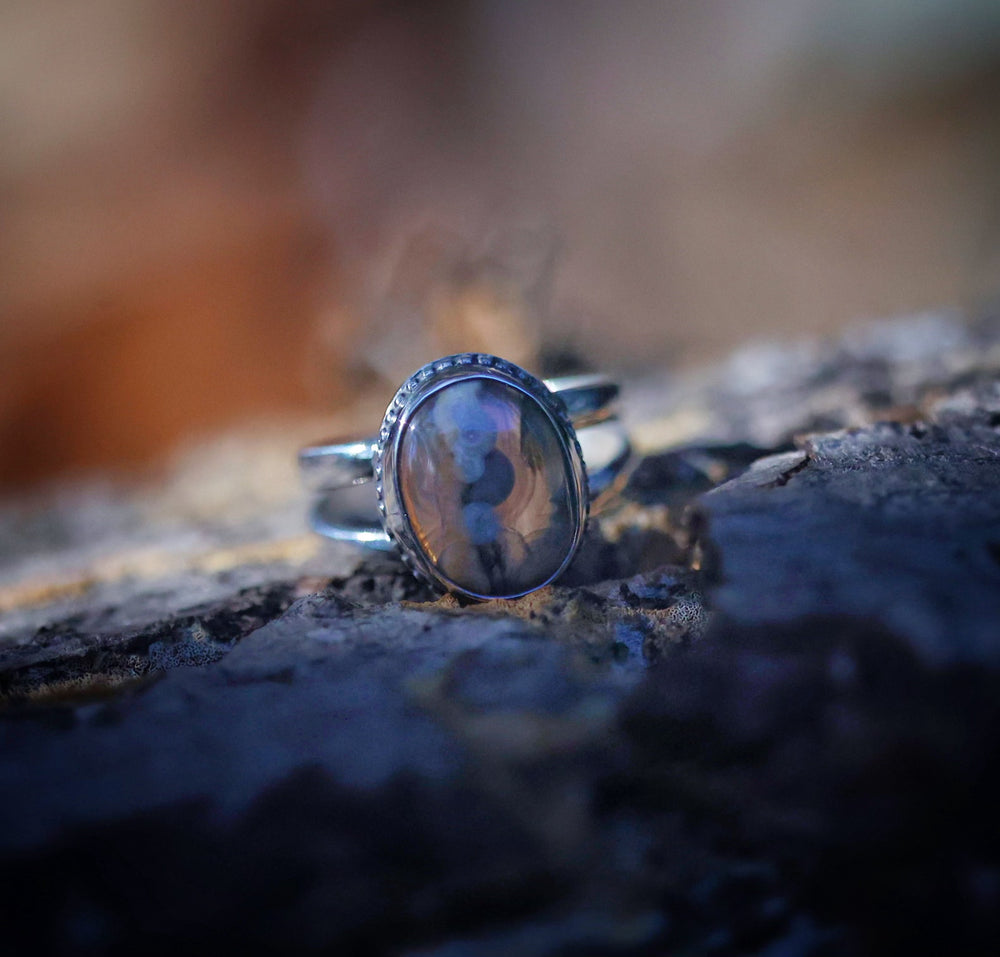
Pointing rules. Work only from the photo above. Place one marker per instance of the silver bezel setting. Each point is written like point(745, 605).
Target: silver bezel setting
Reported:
point(410, 395)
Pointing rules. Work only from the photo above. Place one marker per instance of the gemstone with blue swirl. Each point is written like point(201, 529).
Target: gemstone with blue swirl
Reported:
point(487, 487)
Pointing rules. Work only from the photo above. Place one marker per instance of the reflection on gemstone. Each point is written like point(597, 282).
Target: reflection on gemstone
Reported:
point(487, 487)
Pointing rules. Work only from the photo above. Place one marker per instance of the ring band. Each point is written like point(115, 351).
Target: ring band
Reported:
point(478, 472)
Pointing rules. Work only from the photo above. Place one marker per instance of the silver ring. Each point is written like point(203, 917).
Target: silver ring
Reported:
point(479, 475)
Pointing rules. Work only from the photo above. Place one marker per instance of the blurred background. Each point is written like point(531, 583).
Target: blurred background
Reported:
point(221, 214)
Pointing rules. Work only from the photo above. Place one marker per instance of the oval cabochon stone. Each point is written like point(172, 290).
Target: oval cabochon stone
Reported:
point(488, 488)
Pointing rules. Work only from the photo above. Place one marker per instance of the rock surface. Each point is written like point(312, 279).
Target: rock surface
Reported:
point(761, 714)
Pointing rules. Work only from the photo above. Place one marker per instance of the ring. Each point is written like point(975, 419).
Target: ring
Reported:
point(479, 475)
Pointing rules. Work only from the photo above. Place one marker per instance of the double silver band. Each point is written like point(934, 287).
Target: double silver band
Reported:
point(341, 473)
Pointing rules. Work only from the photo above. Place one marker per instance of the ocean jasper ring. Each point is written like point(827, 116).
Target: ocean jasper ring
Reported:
point(478, 472)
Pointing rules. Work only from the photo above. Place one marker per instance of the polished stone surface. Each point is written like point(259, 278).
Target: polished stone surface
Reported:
point(487, 487)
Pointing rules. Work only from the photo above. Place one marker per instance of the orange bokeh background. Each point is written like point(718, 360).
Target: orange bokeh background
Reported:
point(221, 213)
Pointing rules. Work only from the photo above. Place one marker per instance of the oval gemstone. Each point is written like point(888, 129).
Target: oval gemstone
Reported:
point(487, 487)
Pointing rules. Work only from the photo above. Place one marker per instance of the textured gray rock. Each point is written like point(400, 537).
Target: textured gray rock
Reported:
point(256, 742)
point(896, 524)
